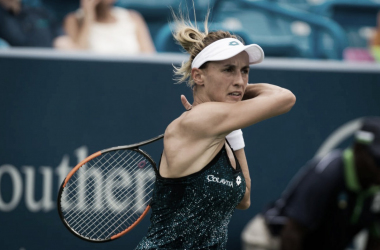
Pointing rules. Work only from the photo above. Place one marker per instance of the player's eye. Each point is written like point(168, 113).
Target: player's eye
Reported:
point(228, 69)
point(245, 70)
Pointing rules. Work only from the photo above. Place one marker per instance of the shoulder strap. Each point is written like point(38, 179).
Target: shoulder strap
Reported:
point(236, 160)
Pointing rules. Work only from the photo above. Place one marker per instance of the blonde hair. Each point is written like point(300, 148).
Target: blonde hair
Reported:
point(193, 41)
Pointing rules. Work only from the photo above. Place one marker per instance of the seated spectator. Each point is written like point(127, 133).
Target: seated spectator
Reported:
point(375, 42)
point(25, 26)
point(99, 26)
point(329, 201)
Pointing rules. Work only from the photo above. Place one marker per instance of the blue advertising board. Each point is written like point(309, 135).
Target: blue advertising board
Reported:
point(56, 109)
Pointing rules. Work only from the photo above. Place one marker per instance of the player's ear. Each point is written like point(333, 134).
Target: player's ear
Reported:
point(197, 75)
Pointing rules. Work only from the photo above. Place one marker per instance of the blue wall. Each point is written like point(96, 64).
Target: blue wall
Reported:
point(55, 111)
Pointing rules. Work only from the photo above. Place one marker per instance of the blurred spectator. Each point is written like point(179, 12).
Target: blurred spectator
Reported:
point(27, 26)
point(329, 201)
point(358, 55)
point(101, 27)
point(375, 42)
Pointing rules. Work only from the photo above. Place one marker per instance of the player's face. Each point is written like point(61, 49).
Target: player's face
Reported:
point(226, 81)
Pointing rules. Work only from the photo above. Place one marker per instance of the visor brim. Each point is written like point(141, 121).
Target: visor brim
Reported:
point(254, 51)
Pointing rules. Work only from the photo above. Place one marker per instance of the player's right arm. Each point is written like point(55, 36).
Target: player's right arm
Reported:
point(260, 102)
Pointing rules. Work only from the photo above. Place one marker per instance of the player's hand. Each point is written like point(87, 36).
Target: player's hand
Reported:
point(186, 103)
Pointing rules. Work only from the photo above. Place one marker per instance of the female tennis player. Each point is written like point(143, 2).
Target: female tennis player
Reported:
point(201, 181)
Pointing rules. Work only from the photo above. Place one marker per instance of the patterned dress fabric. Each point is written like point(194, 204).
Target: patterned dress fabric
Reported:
point(193, 212)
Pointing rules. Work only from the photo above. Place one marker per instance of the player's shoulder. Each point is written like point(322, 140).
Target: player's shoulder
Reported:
point(189, 123)
point(178, 124)
point(171, 128)
point(176, 127)
point(204, 119)
point(205, 111)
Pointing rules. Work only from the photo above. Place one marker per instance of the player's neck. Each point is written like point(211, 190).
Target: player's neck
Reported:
point(199, 96)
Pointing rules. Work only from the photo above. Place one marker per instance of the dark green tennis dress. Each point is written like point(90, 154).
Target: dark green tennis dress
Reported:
point(193, 212)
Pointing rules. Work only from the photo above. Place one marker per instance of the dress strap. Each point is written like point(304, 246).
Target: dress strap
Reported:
point(236, 160)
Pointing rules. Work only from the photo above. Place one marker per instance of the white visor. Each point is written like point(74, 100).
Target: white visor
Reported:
point(227, 48)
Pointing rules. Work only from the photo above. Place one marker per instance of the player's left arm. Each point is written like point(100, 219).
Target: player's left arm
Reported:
point(246, 201)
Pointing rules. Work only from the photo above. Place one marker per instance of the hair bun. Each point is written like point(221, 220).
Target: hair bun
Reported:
point(188, 37)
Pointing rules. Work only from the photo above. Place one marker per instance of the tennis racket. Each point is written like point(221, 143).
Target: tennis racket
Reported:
point(108, 193)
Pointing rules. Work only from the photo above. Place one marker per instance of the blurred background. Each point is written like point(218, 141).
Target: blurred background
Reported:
point(80, 76)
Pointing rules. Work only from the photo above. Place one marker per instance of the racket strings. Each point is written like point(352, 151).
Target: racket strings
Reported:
point(107, 188)
point(133, 216)
point(109, 218)
point(105, 210)
point(98, 216)
point(83, 172)
point(108, 231)
point(78, 222)
point(115, 174)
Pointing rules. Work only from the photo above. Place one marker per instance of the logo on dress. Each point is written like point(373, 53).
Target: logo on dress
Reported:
point(212, 178)
point(238, 180)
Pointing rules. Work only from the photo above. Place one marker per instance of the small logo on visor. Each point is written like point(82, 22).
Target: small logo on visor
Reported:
point(234, 43)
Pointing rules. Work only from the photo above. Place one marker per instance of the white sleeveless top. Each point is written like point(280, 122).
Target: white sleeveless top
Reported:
point(118, 37)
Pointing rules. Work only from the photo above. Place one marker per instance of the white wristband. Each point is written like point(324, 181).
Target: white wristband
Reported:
point(236, 140)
